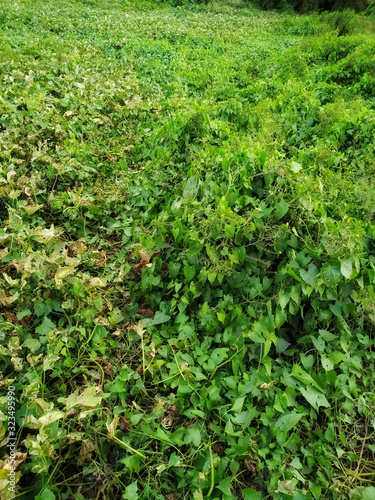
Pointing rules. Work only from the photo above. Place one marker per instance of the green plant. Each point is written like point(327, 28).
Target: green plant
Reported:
point(187, 272)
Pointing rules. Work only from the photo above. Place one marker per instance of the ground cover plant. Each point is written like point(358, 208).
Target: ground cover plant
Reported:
point(187, 251)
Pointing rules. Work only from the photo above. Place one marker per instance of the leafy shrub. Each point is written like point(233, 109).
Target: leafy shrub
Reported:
point(187, 252)
point(341, 22)
point(304, 6)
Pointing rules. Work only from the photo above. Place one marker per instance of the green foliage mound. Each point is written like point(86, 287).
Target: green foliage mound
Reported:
point(187, 252)
point(316, 5)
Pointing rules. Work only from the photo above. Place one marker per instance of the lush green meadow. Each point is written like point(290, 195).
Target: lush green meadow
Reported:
point(187, 274)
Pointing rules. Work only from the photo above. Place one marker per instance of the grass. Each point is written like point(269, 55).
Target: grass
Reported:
point(187, 252)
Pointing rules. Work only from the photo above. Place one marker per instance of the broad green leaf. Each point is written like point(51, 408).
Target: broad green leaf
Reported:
point(319, 344)
point(295, 167)
point(326, 363)
point(346, 268)
point(46, 494)
point(255, 337)
point(32, 344)
point(162, 435)
point(193, 435)
point(173, 269)
point(42, 308)
point(336, 357)
point(327, 336)
point(336, 309)
point(330, 433)
point(191, 188)
point(237, 406)
point(225, 486)
point(98, 303)
point(160, 317)
point(296, 463)
point(23, 314)
point(46, 327)
point(189, 272)
point(211, 275)
point(295, 294)
point(281, 209)
point(230, 229)
point(221, 316)
point(309, 275)
point(286, 422)
point(362, 493)
point(198, 495)
point(282, 345)
point(251, 494)
point(131, 492)
point(284, 298)
point(314, 397)
point(331, 274)
point(280, 317)
point(300, 374)
point(219, 354)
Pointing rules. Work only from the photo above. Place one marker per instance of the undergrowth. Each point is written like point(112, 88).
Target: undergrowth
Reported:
point(187, 252)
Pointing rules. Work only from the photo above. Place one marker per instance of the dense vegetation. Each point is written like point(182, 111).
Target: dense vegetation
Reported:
point(317, 5)
point(187, 253)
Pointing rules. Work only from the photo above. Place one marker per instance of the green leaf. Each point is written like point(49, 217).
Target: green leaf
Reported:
point(41, 308)
point(198, 495)
point(191, 188)
point(327, 336)
point(281, 209)
point(230, 229)
point(295, 167)
point(300, 374)
point(221, 316)
point(98, 303)
point(32, 344)
point(336, 309)
point(193, 435)
point(219, 355)
point(331, 274)
point(309, 275)
point(327, 364)
point(282, 345)
point(251, 494)
point(362, 493)
point(23, 314)
point(160, 317)
point(280, 318)
point(346, 268)
point(173, 269)
point(162, 435)
point(46, 327)
point(46, 494)
point(284, 298)
point(336, 357)
point(225, 486)
point(330, 433)
point(174, 459)
point(286, 422)
point(314, 397)
point(189, 272)
point(131, 492)
point(238, 404)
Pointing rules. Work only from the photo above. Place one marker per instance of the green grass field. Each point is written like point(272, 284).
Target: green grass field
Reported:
point(187, 275)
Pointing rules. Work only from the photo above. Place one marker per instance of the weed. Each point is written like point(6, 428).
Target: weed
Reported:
point(187, 272)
